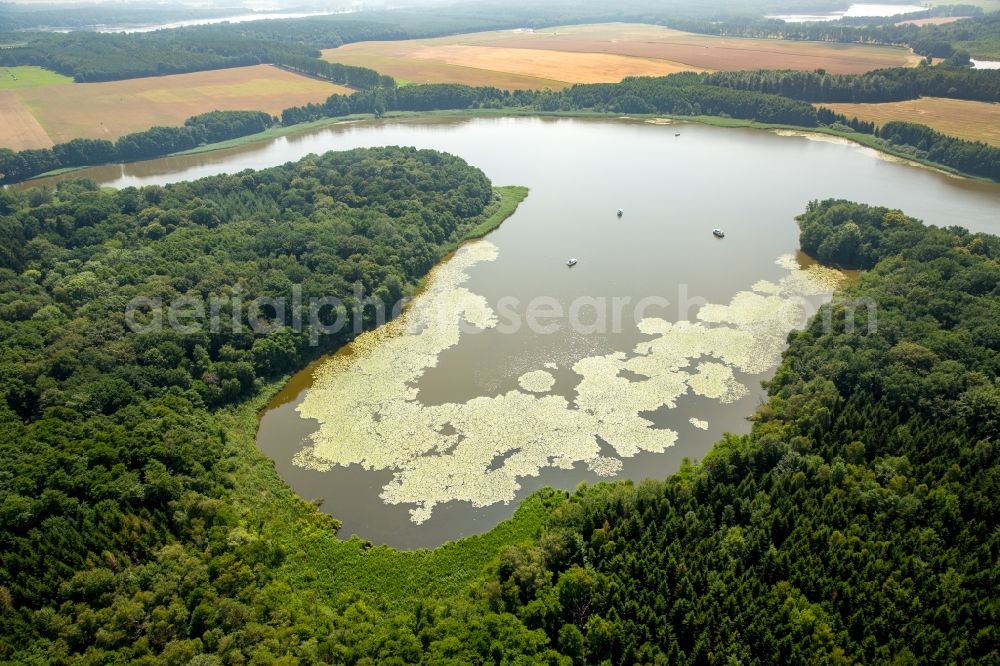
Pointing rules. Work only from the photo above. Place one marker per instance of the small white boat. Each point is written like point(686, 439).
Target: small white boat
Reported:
point(620, 212)
point(571, 262)
point(718, 233)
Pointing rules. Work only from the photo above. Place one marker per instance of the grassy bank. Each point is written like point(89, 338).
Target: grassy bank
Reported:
point(510, 197)
point(317, 563)
point(271, 133)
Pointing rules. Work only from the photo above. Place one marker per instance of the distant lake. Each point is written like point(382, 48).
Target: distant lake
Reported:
point(568, 384)
point(236, 18)
point(856, 10)
point(986, 64)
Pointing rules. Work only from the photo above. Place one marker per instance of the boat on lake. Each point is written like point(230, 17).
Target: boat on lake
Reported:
point(620, 212)
point(571, 262)
point(718, 233)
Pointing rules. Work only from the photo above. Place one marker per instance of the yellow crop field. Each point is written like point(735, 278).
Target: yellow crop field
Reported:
point(19, 130)
point(557, 57)
point(110, 109)
point(974, 121)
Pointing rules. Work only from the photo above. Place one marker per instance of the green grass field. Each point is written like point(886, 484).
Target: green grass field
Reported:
point(29, 77)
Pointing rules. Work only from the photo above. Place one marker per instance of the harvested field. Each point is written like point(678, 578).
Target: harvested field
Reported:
point(601, 53)
point(973, 121)
point(935, 20)
point(19, 130)
point(407, 69)
point(110, 109)
point(556, 65)
point(709, 52)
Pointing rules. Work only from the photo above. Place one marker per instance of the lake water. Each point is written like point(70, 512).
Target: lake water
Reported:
point(569, 403)
point(236, 18)
point(855, 10)
point(986, 64)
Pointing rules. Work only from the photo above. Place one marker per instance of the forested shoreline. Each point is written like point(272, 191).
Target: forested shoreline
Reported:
point(855, 522)
point(114, 464)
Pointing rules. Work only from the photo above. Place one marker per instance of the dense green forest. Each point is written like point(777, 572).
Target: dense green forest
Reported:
point(113, 465)
point(855, 524)
point(91, 56)
point(881, 85)
point(971, 157)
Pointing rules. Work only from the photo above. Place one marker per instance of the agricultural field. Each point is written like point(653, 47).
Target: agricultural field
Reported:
point(973, 121)
point(110, 109)
point(19, 129)
point(29, 77)
point(934, 20)
point(556, 57)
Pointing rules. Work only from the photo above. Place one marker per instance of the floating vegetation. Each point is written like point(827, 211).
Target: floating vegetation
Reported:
point(478, 451)
point(537, 381)
point(605, 466)
point(698, 423)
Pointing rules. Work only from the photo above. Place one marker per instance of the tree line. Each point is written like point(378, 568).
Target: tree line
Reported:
point(971, 157)
point(197, 130)
point(882, 85)
point(359, 78)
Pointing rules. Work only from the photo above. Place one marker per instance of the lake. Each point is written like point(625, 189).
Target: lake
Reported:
point(430, 430)
point(859, 10)
point(236, 18)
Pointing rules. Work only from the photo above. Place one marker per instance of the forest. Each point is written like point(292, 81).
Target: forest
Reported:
point(882, 85)
point(111, 456)
point(856, 523)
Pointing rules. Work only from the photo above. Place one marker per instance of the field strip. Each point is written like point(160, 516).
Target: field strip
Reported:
point(19, 129)
point(415, 70)
point(572, 67)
